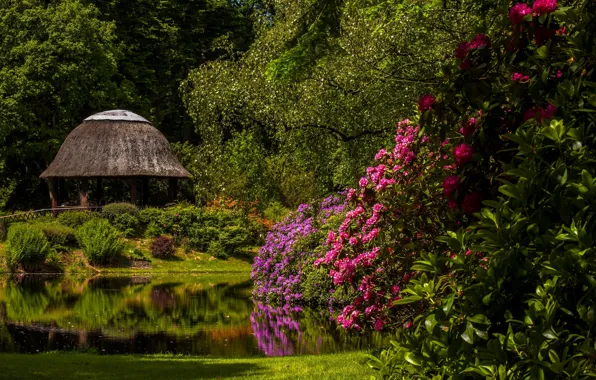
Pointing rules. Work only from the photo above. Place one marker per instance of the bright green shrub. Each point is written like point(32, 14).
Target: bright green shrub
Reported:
point(152, 219)
point(114, 209)
point(127, 224)
point(125, 217)
point(57, 234)
point(26, 245)
point(276, 212)
point(233, 237)
point(75, 219)
point(217, 250)
point(99, 240)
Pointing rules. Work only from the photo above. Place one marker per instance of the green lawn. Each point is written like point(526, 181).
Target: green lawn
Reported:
point(65, 366)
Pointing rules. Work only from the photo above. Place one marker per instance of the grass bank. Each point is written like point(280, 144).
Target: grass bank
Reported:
point(86, 366)
point(181, 262)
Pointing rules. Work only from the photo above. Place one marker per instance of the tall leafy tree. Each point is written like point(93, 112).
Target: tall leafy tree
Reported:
point(324, 83)
point(162, 41)
point(57, 64)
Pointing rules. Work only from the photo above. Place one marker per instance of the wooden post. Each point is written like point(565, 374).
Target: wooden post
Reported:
point(54, 195)
point(172, 189)
point(99, 190)
point(84, 192)
point(145, 191)
point(63, 191)
point(133, 191)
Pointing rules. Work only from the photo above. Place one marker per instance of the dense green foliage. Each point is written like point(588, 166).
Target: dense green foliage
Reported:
point(75, 219)
point(300, 113)
point(99, 241)
point(61, 61)
point(26, 246)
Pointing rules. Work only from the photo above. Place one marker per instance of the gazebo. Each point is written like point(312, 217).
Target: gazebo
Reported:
point(114, 144)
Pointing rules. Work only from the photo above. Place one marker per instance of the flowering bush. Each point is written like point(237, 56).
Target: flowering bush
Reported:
point(395, 216)
point(514, 297)
point(282, 267)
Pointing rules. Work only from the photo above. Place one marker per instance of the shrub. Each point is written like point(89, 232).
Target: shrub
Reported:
point(26, 245)
point(285, 263)
point(75, 219)
point(136, 254)
point(162, 246)
point(127, 224)
point(232, 237)
point(99, 240)
point(217, 250)
point(111, 211)
point(57, 234)
point(153, 220)
point(276, 212)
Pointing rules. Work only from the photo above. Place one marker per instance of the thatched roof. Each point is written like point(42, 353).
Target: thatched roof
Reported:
point(115, 144)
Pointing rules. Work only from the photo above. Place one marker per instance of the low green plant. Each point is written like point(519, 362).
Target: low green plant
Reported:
point(27, 246)
point(127, 224)
point(136, 254)
point(75, 219)
point(276, 212)
point(111, 211)
point(217, 250)
point(57, 234)
point(99, 240)
point(233, 237)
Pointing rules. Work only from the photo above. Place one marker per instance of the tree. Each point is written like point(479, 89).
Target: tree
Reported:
point(57, 63)
point(324, 83)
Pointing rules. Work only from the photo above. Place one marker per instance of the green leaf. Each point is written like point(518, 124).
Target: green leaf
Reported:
point(541, 52)
point(448, 303)
point(412, 359)
point(407, 300)
point(468, 334)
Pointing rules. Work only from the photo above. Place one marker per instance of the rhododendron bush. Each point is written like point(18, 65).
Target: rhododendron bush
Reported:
point(511, 293)
point(282, 270)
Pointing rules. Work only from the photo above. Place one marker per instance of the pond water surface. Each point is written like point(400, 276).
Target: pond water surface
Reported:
point(181, 314)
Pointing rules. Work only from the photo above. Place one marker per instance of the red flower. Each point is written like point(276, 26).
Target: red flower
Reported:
point(541, 7)
point(519, 77)
point(408, 325)
point(469, 127)
point(426, 102)
point(472, 203)
point(463, 153)
point(518, 12)
point(450, 184)
point(562, 31)
point(452, 204)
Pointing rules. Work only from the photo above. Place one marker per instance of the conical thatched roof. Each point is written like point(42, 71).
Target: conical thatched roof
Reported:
point(115, 144)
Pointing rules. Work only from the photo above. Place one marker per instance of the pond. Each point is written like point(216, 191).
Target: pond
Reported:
point(179, 314)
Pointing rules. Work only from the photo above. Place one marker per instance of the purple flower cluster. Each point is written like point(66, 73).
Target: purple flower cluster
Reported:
point(277, 270)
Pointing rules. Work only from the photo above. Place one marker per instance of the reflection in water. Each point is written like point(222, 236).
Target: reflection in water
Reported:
point(196, 315)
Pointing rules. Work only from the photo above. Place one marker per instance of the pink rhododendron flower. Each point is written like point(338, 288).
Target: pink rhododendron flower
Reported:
point(469, 127)
point(380, 154)
point(464, 48)
point(379, 324)
point(452, 204)
point(426, 102)
point(518, 12)
point(541, 7)
point(540, 113)
point(395, 289)
point(463, 154)
point(408, 325)
point(472, 203)
point(450, 184)
point(559, 74)
point(562, 31)
point(519, 77)
point(363, 182)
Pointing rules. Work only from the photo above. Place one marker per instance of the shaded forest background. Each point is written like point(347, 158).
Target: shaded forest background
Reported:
point(276, 101)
